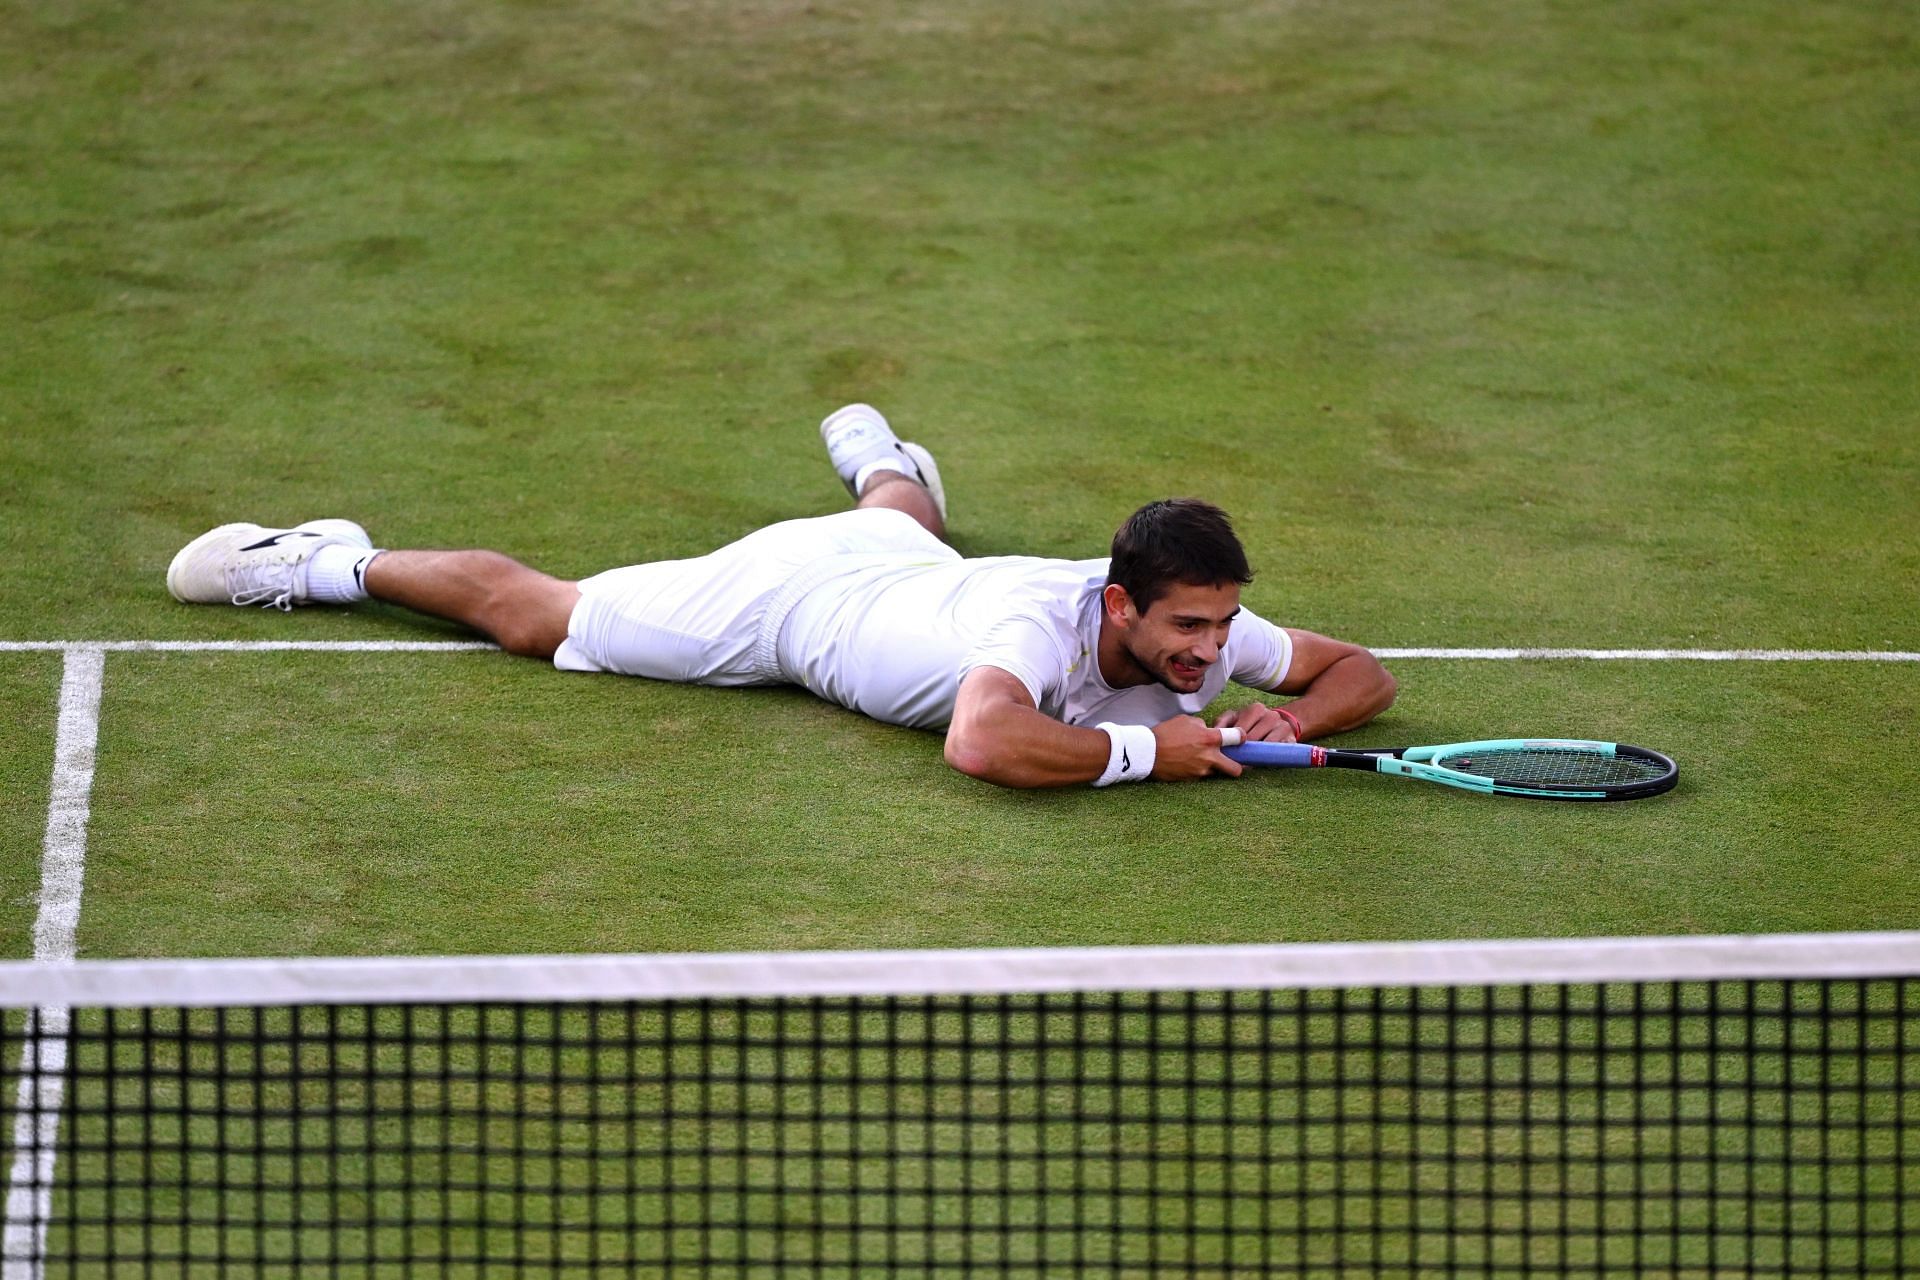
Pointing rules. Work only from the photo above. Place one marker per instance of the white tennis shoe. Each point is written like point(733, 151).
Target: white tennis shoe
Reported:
point(858, 434)
point(250, 564)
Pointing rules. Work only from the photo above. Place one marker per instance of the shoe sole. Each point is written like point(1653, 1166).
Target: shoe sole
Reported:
point(929, 475)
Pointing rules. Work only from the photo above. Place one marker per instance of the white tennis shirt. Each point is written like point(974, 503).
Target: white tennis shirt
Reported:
point(893, 635)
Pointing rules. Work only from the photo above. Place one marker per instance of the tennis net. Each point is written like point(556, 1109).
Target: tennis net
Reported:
point(1683, 1107)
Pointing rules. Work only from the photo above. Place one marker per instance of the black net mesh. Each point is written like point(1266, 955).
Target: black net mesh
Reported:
point(1679, 1128)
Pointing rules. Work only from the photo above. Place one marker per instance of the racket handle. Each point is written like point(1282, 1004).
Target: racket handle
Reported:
point(1277, 755)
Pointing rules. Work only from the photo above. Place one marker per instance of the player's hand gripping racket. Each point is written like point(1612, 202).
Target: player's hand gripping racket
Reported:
point(1538, 768)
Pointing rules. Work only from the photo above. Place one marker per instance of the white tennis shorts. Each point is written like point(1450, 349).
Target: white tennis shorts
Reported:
point(716, 619)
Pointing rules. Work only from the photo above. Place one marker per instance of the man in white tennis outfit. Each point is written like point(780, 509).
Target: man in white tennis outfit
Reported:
point(1043, 672)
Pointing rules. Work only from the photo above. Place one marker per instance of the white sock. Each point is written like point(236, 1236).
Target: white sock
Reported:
point(861, 476)
point(335, 574)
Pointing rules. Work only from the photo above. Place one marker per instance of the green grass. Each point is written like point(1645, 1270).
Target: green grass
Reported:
point(1533, 324)
point(29, 693)
point(382, 835)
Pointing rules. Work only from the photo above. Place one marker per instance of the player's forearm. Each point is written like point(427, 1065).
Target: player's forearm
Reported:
point(1016, 746)
point(1348, 694)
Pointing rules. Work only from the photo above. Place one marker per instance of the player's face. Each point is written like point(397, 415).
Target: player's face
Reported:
point(1180, 635)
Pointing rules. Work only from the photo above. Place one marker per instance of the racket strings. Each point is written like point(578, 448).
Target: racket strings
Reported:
point(1553, 766)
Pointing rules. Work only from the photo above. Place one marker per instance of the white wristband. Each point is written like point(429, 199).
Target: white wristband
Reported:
point(1130, 755)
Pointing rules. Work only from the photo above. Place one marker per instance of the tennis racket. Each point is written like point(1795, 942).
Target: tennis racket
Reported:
point(1538, 768)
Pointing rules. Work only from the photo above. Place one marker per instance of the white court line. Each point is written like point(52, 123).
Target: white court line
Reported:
point(482, 646)
point(1660, 655)
point(251, 646)
point(43, 1053)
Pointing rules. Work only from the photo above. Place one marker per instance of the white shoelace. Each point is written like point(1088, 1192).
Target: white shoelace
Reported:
point(265, 579)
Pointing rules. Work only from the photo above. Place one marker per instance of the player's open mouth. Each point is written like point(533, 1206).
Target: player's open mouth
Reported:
point(1186, 670)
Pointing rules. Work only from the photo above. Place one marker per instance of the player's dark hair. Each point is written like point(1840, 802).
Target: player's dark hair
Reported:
point(1176, 540)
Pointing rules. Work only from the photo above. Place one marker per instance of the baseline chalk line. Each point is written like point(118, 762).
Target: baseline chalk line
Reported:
point(1659, 655)
point(251, 646)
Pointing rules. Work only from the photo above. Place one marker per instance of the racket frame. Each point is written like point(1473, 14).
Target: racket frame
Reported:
point(1417, 762)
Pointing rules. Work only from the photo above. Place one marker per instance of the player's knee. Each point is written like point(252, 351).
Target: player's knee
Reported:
point(532, 623)
point(898, 492)
point(528, 643)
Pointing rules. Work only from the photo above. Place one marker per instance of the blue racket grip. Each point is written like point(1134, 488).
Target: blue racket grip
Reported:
point(1275, 755)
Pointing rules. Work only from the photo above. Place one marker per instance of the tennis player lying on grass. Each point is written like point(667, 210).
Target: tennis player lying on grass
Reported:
point(1042, 672)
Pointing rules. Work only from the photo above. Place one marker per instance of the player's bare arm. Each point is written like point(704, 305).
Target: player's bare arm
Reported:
point(1339, 686)
point(999, 736)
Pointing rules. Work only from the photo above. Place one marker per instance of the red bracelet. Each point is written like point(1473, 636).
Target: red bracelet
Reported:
point(1294, 720)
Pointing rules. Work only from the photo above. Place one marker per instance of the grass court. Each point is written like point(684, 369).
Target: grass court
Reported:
point(1532, 324)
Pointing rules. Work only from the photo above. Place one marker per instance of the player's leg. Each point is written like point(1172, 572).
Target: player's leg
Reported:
point(523, 610)
point(334, 562)
point(898, 491)
point(881, 470)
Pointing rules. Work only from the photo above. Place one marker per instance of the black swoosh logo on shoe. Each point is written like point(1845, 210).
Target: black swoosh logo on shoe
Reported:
point(278, 538)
